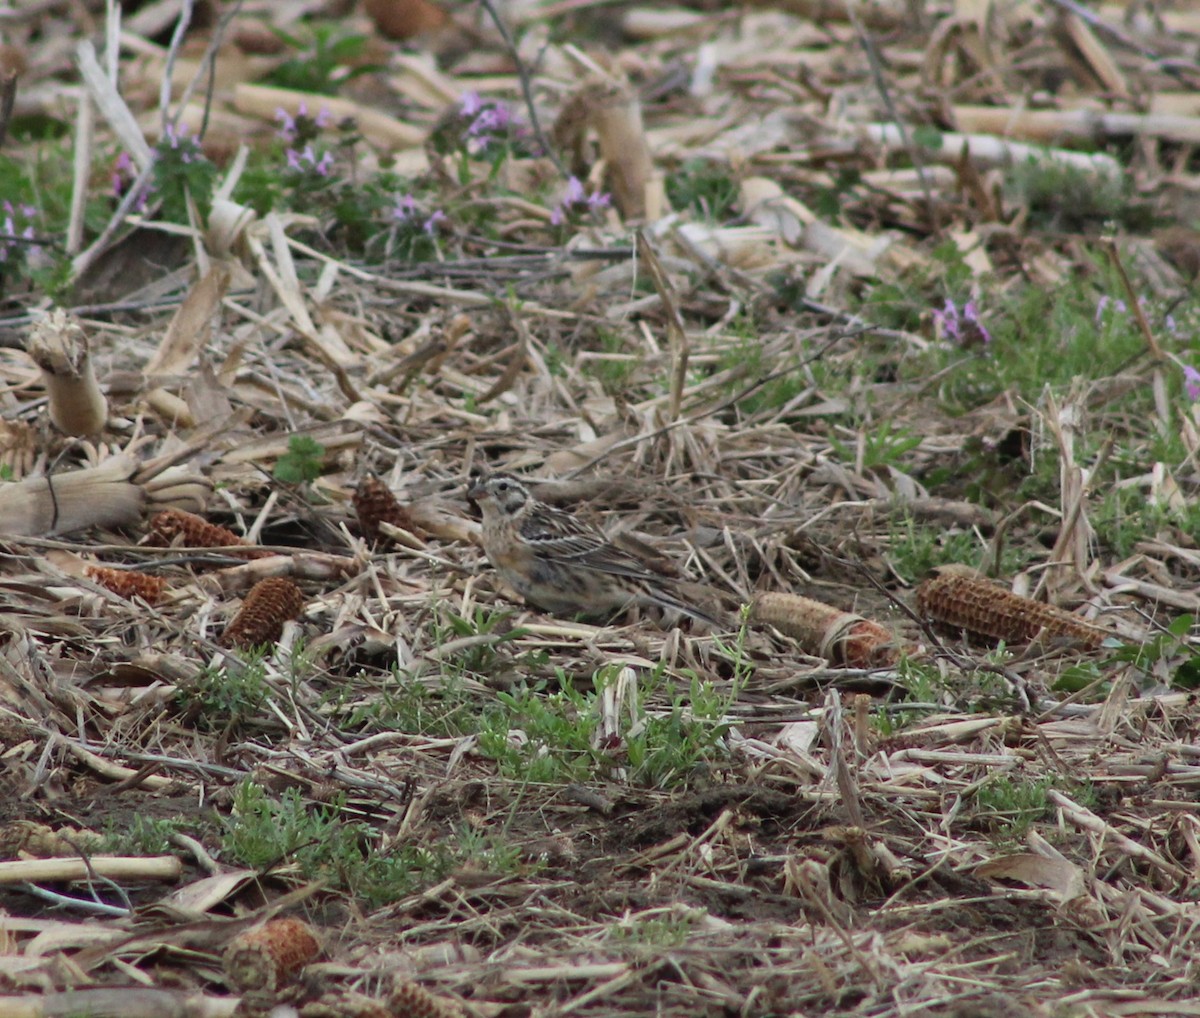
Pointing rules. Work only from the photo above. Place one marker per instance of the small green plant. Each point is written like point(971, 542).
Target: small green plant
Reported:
point(1169, 657)
point(914, 547)
point(480, 641)
point(325, 60)
point(181, 172)
point(541, 737)
point(302, 463)
point(886, 445)
point(705, 187)
point(1009, 804)
point(666, 748)
point(551, 737)
point(406, 704)
point(616, 368)
point(226, 698)
point(140, 835)
point(922, 681)
point(1063, 197)
point(657, 932)
point(324, 844)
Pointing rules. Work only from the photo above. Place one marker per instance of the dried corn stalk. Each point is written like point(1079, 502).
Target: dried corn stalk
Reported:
point(963, 599)
point(839, 636)
point(615, 114)
point(270, 956)
point(270, 603)
point(58, 345)
point(103, 496)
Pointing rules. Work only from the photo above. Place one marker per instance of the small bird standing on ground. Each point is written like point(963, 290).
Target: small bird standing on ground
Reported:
point(564, 565)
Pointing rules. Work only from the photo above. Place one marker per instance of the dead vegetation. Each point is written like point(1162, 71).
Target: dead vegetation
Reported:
point(799, 298)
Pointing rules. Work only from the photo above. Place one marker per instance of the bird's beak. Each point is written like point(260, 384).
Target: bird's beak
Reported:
point(476, 492)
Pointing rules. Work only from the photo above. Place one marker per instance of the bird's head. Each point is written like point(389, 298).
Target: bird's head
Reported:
point(501, 492)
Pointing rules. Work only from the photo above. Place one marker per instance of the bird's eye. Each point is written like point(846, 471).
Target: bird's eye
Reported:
point(502, 486)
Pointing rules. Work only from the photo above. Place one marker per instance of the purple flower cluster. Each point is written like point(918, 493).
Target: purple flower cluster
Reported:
point(306, 158)
point(299, 128)
point(124, 175)
point(290, 127)
point(963, 328)
point(488, 122)
point(575, 198)
point(1119, 307)
point(406, 210)
point(1191, 381)
point(177, 139)
point(16, 228)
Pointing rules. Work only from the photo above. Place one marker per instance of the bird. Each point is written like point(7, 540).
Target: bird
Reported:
point(562, 564)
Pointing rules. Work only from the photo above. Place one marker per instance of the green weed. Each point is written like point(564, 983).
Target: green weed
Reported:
point(226, 698)
point(324, 844)
point(302, 463)
point(704, 187)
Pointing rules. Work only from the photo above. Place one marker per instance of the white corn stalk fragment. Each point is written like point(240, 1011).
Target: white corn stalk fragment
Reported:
point(58, 345)
point(110, 495)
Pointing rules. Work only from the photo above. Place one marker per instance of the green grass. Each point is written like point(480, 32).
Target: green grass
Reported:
point(1008, 805)
point(705, 188)
point(1063, 198)
point(914, 548)
point(228, 698)
point(325, 842)
point(140, 835)
point(617, 369)
point(546, 736)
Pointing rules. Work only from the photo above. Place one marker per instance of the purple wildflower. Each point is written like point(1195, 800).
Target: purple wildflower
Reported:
point(963, 328)
point(1102, 305)
point(430, 224)
point(574, 197)
point(493, 119)
point(573, 193)
point(307, 159)
point(287, 124)
point(1191, 381)
point(122, 174)
point(470, 104)
point(16, 223)
point(405, 207)
point(177, 138)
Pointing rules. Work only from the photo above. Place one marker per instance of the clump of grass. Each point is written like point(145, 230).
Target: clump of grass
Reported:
point(543, 736)
point(1061, 197)
point(324, 844)
point(227, 698)
point(704, 187)
point(140, 835)
point(616, 368)
point(1008, 805)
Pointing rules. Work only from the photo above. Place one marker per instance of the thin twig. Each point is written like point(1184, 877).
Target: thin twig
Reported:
point(526, 90)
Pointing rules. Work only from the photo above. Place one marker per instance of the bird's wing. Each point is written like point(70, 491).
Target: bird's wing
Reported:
point(559, 535)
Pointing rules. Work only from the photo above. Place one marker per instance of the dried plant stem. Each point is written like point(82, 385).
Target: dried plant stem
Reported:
point(111, 867)
point(59, 346)
point(526, 90)
point(1135, 304)
point(675, 330)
